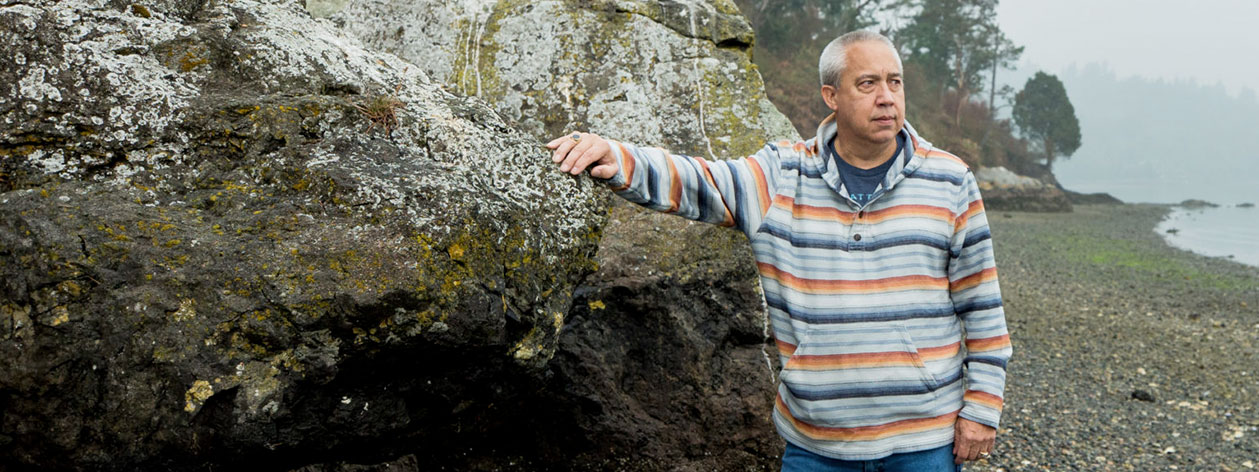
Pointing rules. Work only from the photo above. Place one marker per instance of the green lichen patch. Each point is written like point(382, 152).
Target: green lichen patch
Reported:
point(197, 394)
point(141, 11)
point(735, 122)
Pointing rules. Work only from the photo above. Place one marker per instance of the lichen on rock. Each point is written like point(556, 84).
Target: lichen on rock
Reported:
point(672, 74)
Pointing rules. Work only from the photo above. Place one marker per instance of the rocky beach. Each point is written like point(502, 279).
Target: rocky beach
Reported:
point(1129, 354)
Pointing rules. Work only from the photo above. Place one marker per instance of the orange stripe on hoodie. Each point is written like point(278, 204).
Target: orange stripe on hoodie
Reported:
point(825, 286)
point(866, 433)
point(627, 161)
point(988, 344)
point(675, 183)
point(986, 275)
point(762, 189)
point(983, 398)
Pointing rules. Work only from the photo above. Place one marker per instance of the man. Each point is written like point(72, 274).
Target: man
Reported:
point(876, 263)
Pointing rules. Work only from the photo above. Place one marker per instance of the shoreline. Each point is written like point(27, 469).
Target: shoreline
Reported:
point(1130, 354)
point(1213, 232)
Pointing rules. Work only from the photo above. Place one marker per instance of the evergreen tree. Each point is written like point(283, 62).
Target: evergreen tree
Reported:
point(790, 34)
point(955, 43)
point(1044, 115)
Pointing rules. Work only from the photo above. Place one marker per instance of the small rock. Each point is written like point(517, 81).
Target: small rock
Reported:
point(1197, 204)
point(1142, 395)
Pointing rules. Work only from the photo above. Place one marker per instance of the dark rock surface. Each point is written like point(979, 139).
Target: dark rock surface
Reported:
point(217, 251)
point(1006, 191)
point(1196, 204)
point(1019, 199)
point(1100, 198)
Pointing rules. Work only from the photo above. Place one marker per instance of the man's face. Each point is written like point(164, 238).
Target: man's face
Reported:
point(869, 100)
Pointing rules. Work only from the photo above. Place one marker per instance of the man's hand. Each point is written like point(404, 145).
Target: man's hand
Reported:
point(577, 151)
point(972, 440)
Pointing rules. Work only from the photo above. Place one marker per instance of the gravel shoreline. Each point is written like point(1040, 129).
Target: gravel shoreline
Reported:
point(1129, 354)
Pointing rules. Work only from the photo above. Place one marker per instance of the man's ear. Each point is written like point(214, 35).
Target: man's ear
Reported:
point(828, 95)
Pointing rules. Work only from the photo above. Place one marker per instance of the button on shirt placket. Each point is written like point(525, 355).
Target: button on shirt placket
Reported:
point(857, 241)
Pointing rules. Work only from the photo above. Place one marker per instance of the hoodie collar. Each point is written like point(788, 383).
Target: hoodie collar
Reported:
point(905, 163)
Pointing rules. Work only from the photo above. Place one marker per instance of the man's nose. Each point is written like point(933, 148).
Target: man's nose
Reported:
point(884, 96)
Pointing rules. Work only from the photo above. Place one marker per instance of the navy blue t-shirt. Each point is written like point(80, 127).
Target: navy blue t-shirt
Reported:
point(861, 183)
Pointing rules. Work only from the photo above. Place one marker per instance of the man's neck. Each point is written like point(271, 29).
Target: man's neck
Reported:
point(863, 155)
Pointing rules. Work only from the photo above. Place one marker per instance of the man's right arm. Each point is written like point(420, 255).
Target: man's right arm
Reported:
point(729, 193)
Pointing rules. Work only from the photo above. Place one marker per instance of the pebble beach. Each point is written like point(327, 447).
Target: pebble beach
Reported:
point(1129, 354)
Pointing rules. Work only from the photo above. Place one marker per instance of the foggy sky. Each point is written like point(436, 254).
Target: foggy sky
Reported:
point(1206, 40)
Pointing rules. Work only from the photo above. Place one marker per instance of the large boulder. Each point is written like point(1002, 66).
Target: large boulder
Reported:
point(665, 359)
point(1005, 190)
point(231, 236)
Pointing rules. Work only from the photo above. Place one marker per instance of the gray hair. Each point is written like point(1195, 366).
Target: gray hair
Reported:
point(831, 65)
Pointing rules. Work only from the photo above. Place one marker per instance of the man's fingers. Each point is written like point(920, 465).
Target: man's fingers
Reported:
point(556, 142)
point(985, 446)
point(565, 146)
point(968, 449)
point(964, 446)
point(959, 454)
point(593, 154)
point(605, 171)
point(967, 452)
point(589, 151)
point(570, 161)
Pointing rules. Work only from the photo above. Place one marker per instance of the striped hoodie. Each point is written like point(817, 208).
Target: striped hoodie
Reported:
point(887, 317)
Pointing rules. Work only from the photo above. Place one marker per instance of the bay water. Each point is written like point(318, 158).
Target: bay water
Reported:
point(1230, 232)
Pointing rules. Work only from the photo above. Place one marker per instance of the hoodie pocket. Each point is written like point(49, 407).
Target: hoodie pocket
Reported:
point(857, 365)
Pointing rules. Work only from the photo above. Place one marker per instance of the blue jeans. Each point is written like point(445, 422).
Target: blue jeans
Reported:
point(940, 459)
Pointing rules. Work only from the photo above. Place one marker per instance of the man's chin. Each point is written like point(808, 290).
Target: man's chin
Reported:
point(883, 135)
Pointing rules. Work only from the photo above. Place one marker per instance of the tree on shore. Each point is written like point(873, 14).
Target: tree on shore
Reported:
point(789, 36)
point(956, 42)
point(1045, 116)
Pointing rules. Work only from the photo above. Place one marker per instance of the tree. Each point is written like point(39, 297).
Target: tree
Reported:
point(1005, 55)
point(789, 36)
point(1044, 115)
point(954, 42)
point(791, 22)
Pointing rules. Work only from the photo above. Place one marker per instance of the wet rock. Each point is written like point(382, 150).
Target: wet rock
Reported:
point(1005, 190)
point(1195, 204)
point(1100, 198)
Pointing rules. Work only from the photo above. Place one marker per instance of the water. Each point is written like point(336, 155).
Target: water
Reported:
point(1218, 232)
